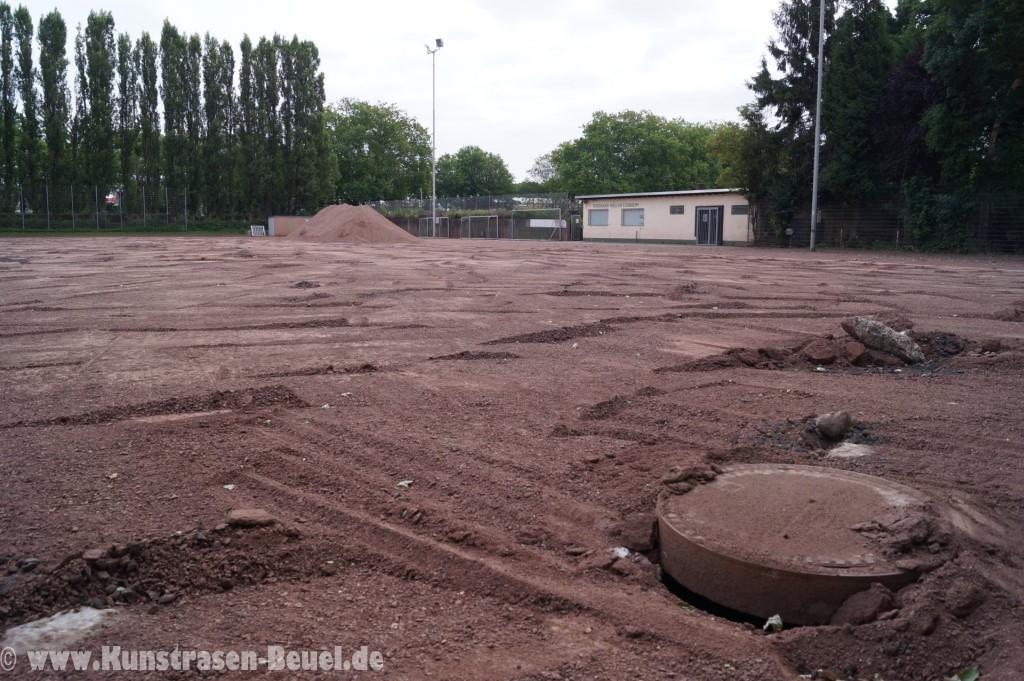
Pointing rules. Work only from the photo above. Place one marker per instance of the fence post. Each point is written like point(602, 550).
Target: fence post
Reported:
point(143, 206)
point(96, 194)
point(186, 210)
point(167, 206)
point(47, 207)
point(21, 189)
point(72, 208)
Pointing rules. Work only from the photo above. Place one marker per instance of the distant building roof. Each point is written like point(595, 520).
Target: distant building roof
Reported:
point(677, 193)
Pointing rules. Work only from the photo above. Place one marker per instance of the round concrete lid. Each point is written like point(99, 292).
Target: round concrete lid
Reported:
point(796, 541)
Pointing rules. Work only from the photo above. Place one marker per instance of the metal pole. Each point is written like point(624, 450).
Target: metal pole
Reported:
point(120, 205)
point(433, 145)
point(21, 189)
point(143, 206)
point(72, 208)
point(167, 206)
point(186, 210)
point(47, 207)
point(96, 196)
point(817, 123)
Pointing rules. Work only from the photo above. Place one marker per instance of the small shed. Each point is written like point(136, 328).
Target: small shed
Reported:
point(707, 217)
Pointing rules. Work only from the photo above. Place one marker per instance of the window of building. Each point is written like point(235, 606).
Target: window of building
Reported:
point(740, 209)
point(675, 210)
point(597, 217)
point(632, 217)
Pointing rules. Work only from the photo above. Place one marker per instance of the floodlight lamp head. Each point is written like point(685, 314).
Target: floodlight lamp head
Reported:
point(440, 43)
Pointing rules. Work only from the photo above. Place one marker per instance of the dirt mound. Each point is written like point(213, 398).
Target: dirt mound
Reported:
point(351, 224)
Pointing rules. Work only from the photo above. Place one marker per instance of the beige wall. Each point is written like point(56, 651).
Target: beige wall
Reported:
point(278, 225)
point(659, 224)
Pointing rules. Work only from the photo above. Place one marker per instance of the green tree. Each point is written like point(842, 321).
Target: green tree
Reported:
point(127, 110)
point(8, 111)
point(95, 53)
point(53, 66)
point(634, 151)
point(382, 153)
point(974, 51)
point(309, 169)
point(863, 54)
point(175, 91)
point(266, 128)
point(219, 114)
point(192, 101)
point(540, 178)
point(146, 52)
point(29, 157)
point(246, 158)
point(780, 120)
point(471, 171)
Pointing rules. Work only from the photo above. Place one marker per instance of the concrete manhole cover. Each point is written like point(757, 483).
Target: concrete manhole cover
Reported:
point(796, 541)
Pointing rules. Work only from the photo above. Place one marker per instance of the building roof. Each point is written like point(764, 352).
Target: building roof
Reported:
point(677, 193)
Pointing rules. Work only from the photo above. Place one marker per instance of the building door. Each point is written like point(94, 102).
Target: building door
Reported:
point(709, 225)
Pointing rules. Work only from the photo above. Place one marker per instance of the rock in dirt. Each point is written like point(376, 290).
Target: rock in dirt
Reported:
point(835, 425)
point(877, 358)
point(964, 598)
point(638, 532)
point(849, 450)
point(250, 517)
point(878, 336)
point(820, 351)
point(865, 606)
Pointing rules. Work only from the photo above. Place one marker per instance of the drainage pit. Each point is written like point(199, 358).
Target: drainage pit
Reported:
point(788, 540)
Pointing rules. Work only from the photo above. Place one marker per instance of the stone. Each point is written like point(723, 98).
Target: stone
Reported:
point(820, 351)
point(877, 358)
point(963, 599)
point(250, 517)
point(28, 564)
point(167, 599)
point(849, 450)
point(601, 561)
point(878, 336)
point(639, 532)
point(93, 555)
point(853, 351)
point(835, 425)
point(864, 607)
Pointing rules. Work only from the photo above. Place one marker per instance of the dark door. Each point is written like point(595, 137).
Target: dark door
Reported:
point(709, 225)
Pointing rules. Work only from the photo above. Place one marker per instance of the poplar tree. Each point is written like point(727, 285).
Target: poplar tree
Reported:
point(127, 110)
point(218, 97)
point(28, 162)
point(53, 67)
point(146, 52)
point(95, 54)
point(8, 112)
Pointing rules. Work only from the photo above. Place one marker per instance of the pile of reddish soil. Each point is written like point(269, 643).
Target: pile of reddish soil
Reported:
point(351, 224)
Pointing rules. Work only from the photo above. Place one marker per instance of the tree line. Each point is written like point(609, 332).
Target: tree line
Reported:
point(162, 111)
point(925, 103)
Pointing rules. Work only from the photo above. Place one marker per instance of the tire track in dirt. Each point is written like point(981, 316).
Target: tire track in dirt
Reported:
point(599, 328)
point(251, 398)
point(516, 582)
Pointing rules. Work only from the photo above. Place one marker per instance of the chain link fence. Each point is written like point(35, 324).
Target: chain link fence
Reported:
point(936, 221)
point(536, 217)
point(81, 208)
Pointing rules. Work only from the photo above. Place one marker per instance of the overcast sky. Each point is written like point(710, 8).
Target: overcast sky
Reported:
point(514, 78)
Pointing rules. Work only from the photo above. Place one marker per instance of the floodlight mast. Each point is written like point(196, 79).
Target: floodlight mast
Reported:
point(433, 135)
point(817, 124)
